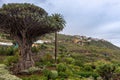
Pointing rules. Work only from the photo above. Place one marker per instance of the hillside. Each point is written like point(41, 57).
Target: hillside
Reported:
point(91, 41)
point(78, 58)
point(87, 47)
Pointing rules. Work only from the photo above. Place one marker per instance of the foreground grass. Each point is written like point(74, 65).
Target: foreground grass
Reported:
point(5, 75)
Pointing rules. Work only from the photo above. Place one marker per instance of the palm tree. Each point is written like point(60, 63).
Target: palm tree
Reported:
point(60, 22)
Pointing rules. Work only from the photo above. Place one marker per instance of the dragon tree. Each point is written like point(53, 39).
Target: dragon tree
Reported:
point(25, 23)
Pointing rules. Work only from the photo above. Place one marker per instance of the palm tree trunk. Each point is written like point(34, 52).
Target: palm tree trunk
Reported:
point(56, 47)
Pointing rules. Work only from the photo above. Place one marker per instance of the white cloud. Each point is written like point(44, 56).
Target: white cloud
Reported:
point(96, 18)
point(112, 26)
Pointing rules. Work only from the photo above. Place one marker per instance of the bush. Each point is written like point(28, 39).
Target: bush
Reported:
point(39, 64)
point(48, 57)
point(117, 70)
point(35, 49)
point(61, 67)
point(54, 74)
point(88, 74)
point(10, 60)
point(47, 73)
point(78, 63)
point(2, 50)
point(34, 77)
point(88, 68)
point(69, 60)
point(62, 74)
point(9, 51)
point(43, 46)
point(33, 69)
point(50, 74)
point(84, 74)
point(5, 75)
point(69, 72)
point(106, 71)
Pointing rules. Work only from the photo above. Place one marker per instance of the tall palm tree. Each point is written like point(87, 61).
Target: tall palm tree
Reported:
point(60, 22)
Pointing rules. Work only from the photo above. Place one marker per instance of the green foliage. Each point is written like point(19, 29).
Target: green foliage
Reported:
point(35, 77)
point(47, 73)
point(35, 49)
point(62, 49)
point(69, 60)
point(43, 46)
point(39, 64)
point(54, 74)
point(33, 69)
point(88, 74)
point(88, 67)
point(38, 18)
point(106, 71)
point(5, 75)
point(11, 60)
point(69, 72)
point(62, 74)
point(62, 70)
point(117, 70)
point(48, 57)
point(8, 51)
point(78, 63)
point(61, 67)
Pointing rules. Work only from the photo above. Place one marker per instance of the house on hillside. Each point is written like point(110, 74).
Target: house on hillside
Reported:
point(6, 43)
point(81, 42)
point(40, 42)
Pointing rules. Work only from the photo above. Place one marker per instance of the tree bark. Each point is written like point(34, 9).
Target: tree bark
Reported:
point(25, 55)
point(25, 61)
point(56, 47)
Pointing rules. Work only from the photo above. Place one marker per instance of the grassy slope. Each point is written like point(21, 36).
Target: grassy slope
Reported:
point(96, 50)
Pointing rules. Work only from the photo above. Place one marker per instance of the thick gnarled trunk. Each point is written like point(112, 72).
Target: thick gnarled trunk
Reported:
point(25, 61)
point(25, 55)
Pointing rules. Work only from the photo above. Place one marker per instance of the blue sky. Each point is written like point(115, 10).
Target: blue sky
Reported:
point(94, 18)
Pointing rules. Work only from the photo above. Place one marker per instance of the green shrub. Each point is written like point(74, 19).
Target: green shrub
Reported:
point(35, 49)
point(88, 74)
point(84, 74)
point(34, 77)
point(69, 72)
point(9, 51)
point(48, 57)
point(54, 74)
point(88, 68)
point(69, 60)
point(2, 51)
point(78, 63)
point(5, 75)
point(33, 69)
point(117, 70)
point(10, 60)
point(47, 73)
point(62, 74)
point(43, 46)
point(61, 67)
point(50, 74)
point(106, 71)
point(39, 64)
